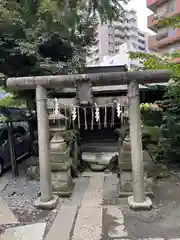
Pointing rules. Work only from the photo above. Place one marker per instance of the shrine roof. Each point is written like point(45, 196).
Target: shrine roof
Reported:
point(103, 89)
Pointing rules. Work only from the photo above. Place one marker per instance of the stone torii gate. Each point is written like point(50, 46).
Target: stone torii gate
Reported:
point(132, 79)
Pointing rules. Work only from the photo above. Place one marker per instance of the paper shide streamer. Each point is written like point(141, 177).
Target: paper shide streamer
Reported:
point(119, 110)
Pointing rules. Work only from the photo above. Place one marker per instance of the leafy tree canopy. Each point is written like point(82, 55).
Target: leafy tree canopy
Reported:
point(9, 101)
point(39, 37)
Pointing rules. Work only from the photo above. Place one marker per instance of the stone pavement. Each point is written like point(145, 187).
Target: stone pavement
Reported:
point(27, 232)
point(95, 213)
point(6, 216)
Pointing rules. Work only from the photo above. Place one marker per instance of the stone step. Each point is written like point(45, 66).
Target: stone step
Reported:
point(99, 147)
point(98, 157)
point(98, 161)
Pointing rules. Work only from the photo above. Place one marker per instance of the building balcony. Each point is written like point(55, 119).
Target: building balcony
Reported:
point(118, 41)
point(153, 4)
point(133, 33)
point(119, 25)
point(152, 20)
point(119, 33)
point(161, 40)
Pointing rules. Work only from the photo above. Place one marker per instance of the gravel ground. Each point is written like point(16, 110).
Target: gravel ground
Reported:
point(20, 194)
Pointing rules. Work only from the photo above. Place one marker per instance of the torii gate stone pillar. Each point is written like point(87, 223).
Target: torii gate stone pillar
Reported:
point(41, 83)
point(138, 200)
point(46, 199)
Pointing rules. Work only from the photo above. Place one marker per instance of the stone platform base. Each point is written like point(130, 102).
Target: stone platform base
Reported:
point(65, 193)
point(47, 205)
point(146, 205)
point(127, 191)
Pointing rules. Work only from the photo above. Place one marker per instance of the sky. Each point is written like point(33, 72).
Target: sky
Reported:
point(142, 13)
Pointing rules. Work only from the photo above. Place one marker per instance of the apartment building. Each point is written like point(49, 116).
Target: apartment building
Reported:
point(109, 38)
point(122, 56)
point(166, 39)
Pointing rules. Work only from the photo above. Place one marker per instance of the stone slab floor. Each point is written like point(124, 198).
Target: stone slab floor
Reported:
point(95, 213)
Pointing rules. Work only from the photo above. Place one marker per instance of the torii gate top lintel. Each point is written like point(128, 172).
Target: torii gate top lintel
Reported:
point(96, 79)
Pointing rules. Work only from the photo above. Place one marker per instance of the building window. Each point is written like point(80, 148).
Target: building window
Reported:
point(141, 34)
point(133, 65)
point(110, 37)
point(171, 32)
point(111, 45)
point(174, 49)
point(165, 34)
point(161, 36)
point(141, 48)
point(141, 41)
point(111, 52)
point(161, 10)
point(134, 45)
point(171, 6)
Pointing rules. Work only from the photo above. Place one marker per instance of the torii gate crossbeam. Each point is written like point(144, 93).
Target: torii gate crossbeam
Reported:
point(97, 79)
